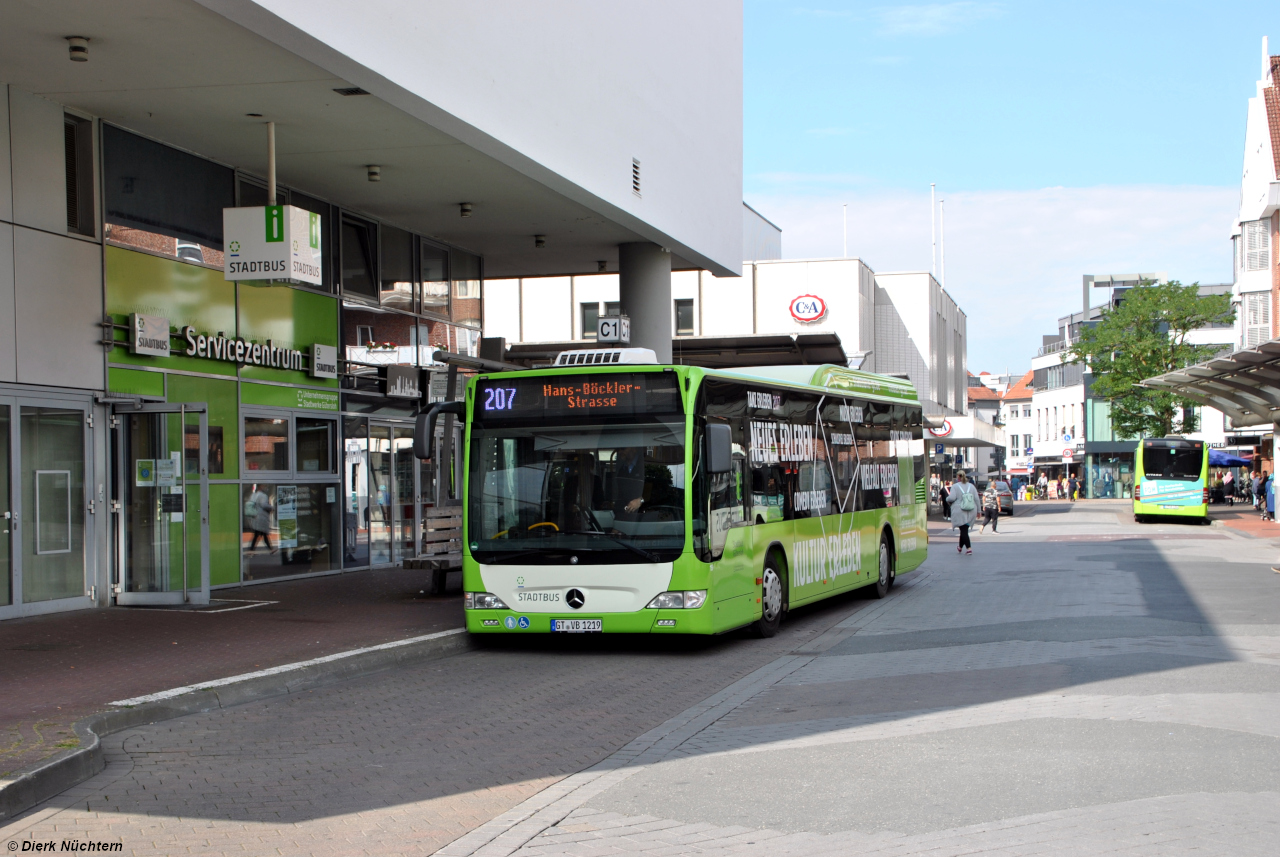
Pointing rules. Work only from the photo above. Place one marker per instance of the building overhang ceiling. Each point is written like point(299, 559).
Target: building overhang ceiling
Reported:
point(1244, 385)
point(176, 72)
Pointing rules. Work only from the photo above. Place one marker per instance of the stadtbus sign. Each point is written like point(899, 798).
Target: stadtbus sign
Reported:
point(272, 242)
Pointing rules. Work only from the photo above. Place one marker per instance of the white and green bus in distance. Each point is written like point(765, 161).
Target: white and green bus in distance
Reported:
point(675, 499)
point(1171, 477)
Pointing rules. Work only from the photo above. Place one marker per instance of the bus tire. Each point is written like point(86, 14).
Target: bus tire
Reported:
point(773, 598)
point(886, 575)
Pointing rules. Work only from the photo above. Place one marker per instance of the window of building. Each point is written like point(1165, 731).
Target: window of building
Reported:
point(1257, 318)
point(589, 313)
point(316, 443)
point(396, 269)
point(78, 139)
point(359, 238)
point(364, 335)
point(433, 269)
point(1257, 245)
point(613, 307)
point(266, 444)
point(1026, 410)
point(155, 197)
point(684, 318)
point(464, 268)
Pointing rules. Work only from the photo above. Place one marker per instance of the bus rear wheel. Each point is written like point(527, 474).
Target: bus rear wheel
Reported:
point(885, 576)
point(772, 599)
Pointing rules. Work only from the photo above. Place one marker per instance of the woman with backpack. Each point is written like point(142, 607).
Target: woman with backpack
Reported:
point(964, 509)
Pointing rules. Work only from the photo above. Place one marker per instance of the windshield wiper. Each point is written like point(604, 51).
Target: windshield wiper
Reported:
point(638, 551)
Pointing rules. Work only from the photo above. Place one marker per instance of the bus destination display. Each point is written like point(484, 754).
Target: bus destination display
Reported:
point(576, 396)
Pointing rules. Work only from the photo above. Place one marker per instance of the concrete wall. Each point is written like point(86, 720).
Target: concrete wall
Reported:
point(507, 77)
point(50, 281)
point(938, 328)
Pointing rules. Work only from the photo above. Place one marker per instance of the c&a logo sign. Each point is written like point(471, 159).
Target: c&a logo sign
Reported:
point(808, 308)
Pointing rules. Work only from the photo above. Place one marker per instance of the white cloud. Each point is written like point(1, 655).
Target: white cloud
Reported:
point(1014, 259)
point(933, 19)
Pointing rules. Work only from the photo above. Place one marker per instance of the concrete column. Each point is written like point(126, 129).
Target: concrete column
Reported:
point(644, 290)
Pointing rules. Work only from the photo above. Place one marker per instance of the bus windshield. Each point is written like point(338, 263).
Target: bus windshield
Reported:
point(603, 493)
point(1186, 462)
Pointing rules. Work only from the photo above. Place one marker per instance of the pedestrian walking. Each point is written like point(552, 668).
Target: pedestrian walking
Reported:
point(1072, 487)
point(258, 513)
point(1229, 488)
point(964, 509)
point(990, 508)
point(1269, 490)
point(1255, 488)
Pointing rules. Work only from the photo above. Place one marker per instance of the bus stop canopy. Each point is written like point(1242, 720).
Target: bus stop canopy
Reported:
point(1244, 385)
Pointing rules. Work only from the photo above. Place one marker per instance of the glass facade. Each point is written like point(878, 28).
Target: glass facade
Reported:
point(306, 475)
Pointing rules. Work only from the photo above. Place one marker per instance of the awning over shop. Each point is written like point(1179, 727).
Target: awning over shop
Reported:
point(1244, 385)
point(965, 432)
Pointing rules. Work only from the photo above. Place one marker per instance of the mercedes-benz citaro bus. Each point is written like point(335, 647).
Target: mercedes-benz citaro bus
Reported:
point(610, 494)
point(1170, 477)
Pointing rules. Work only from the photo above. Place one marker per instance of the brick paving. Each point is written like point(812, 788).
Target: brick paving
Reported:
point(1038, 698)
point(57, 669)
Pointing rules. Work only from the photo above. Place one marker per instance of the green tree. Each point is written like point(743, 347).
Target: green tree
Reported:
point(1145, 336)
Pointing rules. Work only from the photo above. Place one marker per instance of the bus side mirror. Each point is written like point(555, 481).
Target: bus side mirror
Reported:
point(424, 429)
point(719, 448)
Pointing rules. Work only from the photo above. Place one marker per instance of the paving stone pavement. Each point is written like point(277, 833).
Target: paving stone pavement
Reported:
point(1078, 697)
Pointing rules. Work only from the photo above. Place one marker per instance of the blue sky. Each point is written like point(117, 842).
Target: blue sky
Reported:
point(1068, 138)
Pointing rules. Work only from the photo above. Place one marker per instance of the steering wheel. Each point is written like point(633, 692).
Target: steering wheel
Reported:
point(528, 528)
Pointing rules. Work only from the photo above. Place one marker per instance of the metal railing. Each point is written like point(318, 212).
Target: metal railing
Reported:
point(1054, 347)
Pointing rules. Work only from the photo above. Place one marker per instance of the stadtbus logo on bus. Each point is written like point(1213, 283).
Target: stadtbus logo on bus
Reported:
point(808, 308)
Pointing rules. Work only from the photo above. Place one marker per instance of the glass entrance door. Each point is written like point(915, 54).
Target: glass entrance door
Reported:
point(162, 482)
point(45, 505)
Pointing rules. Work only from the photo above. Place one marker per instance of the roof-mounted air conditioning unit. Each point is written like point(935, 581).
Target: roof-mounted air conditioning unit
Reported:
point(606, 357)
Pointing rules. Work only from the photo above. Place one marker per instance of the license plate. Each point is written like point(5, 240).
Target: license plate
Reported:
point(577, 626)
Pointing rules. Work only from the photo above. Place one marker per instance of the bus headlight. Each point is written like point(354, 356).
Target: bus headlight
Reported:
point(482, 601)
point(688, 600)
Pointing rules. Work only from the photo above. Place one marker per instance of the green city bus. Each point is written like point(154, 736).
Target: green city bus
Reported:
point(624, 497)
point(1171, 477)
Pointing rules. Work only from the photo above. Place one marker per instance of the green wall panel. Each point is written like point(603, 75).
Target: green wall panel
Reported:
point(183, 293)
point(224, 534)
point(294, 318)
point(135, 382)
point(224, 418)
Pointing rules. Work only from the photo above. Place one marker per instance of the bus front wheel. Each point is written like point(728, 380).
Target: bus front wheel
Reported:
point(772, 599)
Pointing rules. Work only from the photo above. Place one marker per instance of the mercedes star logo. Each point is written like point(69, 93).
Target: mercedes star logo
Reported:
point(575, 599)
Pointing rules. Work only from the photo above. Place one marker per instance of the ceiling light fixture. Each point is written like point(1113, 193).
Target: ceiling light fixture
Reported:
point(465, 208)
point(78, 46)
point(602, 266)
point(539, 241)
point(375, 173)
point(254, 115)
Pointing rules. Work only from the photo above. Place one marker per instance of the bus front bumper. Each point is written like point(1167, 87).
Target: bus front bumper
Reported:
point(645, 621)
